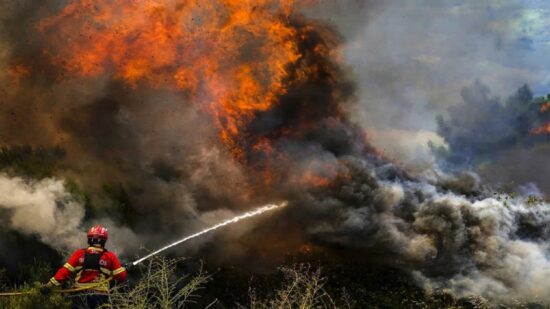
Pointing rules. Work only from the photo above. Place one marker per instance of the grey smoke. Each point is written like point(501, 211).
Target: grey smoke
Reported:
point(477, 243)
point(42, 208)
point(411, 60)
point(495, 137)
point(415, 60)
point(482, 126)
point(171, 176)
point(48, 210)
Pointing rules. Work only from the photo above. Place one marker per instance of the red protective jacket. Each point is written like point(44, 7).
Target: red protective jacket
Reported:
point(109, 266)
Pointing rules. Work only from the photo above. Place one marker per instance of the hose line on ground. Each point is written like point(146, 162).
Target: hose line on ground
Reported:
point(78, 289)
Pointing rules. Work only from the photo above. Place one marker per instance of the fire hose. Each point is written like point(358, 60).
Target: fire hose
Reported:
point(73, 290)
point(248, 214)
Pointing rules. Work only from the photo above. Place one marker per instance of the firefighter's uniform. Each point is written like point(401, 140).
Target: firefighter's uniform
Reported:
point(91, 267)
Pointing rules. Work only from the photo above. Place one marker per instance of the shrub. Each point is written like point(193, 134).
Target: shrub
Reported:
point(33, 299)
point(302, 288)
point(160, 287)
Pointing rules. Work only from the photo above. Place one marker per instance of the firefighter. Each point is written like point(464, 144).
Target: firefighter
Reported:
point(91, 268)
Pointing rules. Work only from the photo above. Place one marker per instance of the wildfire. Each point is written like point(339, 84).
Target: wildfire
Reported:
point(17, 72)
point(315, 180)
point(544, 129)
point(236, 60)
point(228, 56)
point(545, 107)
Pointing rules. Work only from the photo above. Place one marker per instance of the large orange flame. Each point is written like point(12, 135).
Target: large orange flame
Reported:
point(228, 56)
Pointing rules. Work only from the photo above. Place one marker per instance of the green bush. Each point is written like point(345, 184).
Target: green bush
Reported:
point(33, 299)
point(37, 162)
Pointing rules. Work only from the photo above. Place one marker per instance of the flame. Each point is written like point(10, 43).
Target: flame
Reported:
point(545, 107)
point(234, 59)
point(230, 57)
point(17, 72)
point(544, 129)
point(315, 180)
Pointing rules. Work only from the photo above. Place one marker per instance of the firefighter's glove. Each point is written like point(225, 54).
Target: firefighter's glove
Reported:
point(128, 266)
point(46, 289)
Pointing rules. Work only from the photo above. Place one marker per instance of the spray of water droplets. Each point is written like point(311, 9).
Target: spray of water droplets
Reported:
point(236, 219)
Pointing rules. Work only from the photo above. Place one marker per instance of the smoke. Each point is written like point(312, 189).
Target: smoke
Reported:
point(165, 140)
point(493, 136)
point(484, 244)
point(46, 209)
point(412, 59)
point(503, 126)
point(42, 208)
point(406, 79)
point(409, 148)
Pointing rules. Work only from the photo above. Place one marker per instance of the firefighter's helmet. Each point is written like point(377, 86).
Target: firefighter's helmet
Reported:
point(98, 231)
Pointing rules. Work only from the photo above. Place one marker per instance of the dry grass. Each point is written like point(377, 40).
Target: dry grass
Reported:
point(159, 287)
point(302, 288)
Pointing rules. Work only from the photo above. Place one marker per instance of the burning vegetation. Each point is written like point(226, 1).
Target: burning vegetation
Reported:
point(233, 59)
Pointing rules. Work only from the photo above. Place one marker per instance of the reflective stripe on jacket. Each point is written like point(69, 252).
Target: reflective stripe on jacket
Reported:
point(109, 266)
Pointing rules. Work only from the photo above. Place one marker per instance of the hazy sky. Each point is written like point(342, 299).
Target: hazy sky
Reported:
point(411, 58)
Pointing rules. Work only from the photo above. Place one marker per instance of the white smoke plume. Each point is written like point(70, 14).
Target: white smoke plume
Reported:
point(47, 210)
point(42, 208)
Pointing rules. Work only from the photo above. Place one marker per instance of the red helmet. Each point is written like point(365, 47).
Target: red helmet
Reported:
point(98, 231)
